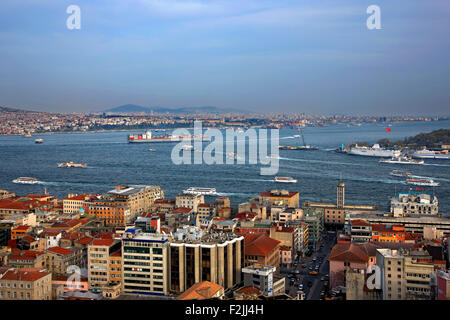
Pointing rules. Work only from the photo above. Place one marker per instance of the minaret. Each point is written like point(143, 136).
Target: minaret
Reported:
point(340, 194)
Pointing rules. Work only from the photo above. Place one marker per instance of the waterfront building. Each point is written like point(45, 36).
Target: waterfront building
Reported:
point(74, 202)
point(414, 203)
point(191, 201)
point(280, 198)
point(5, 194)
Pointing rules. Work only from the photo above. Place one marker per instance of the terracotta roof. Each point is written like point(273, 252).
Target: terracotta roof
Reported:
point(248, 290)
point(245, 215)
point(259, 244)
point(182, 210)
point(360, 222)
point(102, 242)
point(72, 235)
point(350, 252)
point(60, 251)
point(21, 228)
point(205, 205)
point(279, 195)
point(23, 275)
point(199, 291)
point(84, 240)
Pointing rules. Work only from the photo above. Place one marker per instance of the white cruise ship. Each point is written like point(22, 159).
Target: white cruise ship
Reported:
point(374, 151)
point(201, 191)
point(402, 160)
point(285, 179)
point(423, 182)
point(26, 180)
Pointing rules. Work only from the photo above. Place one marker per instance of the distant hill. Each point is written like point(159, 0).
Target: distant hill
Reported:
point(132, 108)
point(432, 139)
point(7, 109)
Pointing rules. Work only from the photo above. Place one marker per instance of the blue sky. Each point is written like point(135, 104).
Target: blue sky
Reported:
point(258, 55)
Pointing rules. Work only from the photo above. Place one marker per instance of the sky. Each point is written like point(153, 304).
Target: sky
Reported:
point(291, 56)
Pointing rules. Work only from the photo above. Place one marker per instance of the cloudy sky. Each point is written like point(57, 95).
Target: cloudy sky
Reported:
point(259, 55)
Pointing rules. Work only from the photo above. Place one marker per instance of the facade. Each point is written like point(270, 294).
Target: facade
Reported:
point(57, 259)
point(26, 284)
point(414, 203)
point(443, 285)
point(197, 256)
point(74, 202)
point(263, 278)
point(100, 263)
point(191, 201)
point(261, 249)
point(360, 231)
point(145, 263)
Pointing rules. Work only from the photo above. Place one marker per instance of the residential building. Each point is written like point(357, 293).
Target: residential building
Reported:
point(26, 284)
point(100, 263)
point(261, 249)
point(58, 259)
point(263, 278)
point(280, 198)
point(414, 203)
point(202, 290)
point(191, 201)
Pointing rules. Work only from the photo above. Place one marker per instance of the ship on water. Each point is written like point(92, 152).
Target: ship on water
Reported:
point(400, 173)
point(39, 140)
point(71, 164)
point(147, 137)
point(431, 154)
point(200, 191)
point(401, 160)
point(285, 180)
point(374, 151)
point(26, 180)
point(422, 182)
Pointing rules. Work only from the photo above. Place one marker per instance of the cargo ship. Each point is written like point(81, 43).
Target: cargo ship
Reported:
point(201, 191)
point(285, 179)
point(147, 137)
point(431, 154)
point(26, 180)
point(374, 151)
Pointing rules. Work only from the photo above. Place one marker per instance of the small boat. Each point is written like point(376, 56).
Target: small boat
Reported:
point(39, 140)
point(187, 147)
point(71, 164)
point(152, 150)
point(26, 180)
point(200, 191)
point(27, 135)
point(285, 179)
point(431, 154)
point(232, 155)
point(401, 160)
point(422, 182)
point(399, 173)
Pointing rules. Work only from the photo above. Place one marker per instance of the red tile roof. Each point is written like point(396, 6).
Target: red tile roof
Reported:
point(21, 228)
point(350, 252)
point(182, 210)
point(278, 195)
point(248, 290)
point(102, 242)
point(84, 240)
point(23, 275)
point(60, 251)
point(199, 291)
point(259, 244)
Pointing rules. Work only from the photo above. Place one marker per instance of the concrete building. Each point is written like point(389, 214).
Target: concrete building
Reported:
point(145, 263)
point(280, 198)
point(261, 249)
point(263, 278)
point(191, 201)
point(443, 285)
point(74, 202)
point(100, 252)
point(58, 259)
point(414, 203)
point(360, 231)
point(196, 255)
point(26, 284)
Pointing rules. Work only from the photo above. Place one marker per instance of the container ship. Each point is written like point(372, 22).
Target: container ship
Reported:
point(374, 151)
point(431, 154)
point(147, 137)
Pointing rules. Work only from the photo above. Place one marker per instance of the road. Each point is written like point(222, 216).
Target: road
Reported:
point(312, 291)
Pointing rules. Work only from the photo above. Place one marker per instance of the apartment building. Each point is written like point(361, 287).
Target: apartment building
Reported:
point(261, 249)
point(58, 259)
point(74, 202)
point(145, 263)
point(191, 201)
point(100, 257)
point(280, 198)
point(263, 278)
point(26, 284)
point(197, 255)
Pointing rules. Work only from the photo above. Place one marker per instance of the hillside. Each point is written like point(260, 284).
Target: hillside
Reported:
point(434, 139)
point(132, 108)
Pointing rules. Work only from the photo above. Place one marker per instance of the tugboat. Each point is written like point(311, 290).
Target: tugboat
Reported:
point(71, 164)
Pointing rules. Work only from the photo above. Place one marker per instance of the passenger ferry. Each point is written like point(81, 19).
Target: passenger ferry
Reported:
point(374, 151)
point(39, 140)
point(285, 179)
point(147, 137)
point(431, 154)
point(399, 173)
point(71, 164)
point(200, 191)
point(401, 160)
point(422, 182)
point(26, 180)
point(187, 147)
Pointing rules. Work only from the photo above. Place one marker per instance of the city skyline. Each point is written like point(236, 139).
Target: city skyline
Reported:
point(260, 56)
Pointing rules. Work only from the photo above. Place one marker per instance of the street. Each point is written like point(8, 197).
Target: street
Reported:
point(312, 284)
